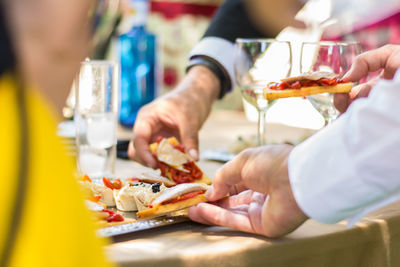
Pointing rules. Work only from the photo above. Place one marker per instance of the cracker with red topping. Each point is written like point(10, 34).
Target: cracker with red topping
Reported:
point(175, 163)
point(175, 199)
point(307, 84)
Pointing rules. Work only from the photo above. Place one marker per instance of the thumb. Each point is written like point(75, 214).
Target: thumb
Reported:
point(360, 91)
point(190, 140)
point(341, 101)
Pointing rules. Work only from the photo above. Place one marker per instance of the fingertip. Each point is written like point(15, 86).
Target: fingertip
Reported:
point(150, 160)
point(190, 140)
point(140, 156)
point(215, 194)
point(209, 193)
point(347, 77)
point(131, 150)
point(194, 154)
point(142, 152)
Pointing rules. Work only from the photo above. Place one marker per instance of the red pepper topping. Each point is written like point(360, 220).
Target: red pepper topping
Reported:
point(329, 82)
point(110, 212)
point(194, 170)
point(307, 83)
point(304, 83)
point(94, 198)
point(283, 86)
point(163, 168)
point(86, 178)
point(180, 176)
point(133, 180)
point(159, 139)
point(184, 197)
point(296, 85)
point(116, 184)
point(179, 147)
point(273, 85)
point(113, 216)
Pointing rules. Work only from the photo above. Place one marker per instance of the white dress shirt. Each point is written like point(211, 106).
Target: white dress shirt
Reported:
point(352, 166)
point(218, 49)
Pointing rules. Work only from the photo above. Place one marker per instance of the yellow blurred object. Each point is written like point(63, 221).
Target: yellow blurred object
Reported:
point(55, 227)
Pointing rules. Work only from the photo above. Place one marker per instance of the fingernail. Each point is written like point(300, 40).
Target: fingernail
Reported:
point(193, 153)
point(209, 193)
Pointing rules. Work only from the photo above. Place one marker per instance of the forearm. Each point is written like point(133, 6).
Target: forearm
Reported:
point(197, 92)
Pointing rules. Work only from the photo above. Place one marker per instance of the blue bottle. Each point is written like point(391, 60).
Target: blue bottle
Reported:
point(138, 65)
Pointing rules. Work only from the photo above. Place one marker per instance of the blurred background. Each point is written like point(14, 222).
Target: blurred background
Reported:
point(177, 25)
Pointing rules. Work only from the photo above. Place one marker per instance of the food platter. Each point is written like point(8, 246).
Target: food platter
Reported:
point(139, 225)
point(166, 195)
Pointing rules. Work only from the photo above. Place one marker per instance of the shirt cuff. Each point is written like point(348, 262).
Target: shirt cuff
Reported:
point(218, 49)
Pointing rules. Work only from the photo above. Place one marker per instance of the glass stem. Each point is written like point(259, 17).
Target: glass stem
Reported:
point(328, 120)
point(261, 127)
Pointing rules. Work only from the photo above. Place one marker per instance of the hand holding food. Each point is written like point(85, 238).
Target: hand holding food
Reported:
point(179, 113)
point(175, 163)
point(385, 58)
point(268, 206)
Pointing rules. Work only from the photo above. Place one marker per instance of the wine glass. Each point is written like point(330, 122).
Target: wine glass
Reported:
point(326, 56)
point(256, 63)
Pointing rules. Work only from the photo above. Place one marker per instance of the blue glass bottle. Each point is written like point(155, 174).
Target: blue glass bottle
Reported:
point(138, 65)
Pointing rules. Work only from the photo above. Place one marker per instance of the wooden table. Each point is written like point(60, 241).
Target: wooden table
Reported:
point(374, 241)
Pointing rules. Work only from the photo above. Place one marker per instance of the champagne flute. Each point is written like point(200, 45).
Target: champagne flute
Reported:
point(256, 63)
point(326, 56)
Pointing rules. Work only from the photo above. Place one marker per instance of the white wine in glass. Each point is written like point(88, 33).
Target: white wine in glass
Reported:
point(258, 62)
point(334, 57)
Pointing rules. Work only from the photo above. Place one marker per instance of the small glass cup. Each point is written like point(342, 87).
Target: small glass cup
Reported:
point(96, 117)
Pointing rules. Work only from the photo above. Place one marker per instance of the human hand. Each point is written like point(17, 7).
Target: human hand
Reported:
point(179, 113)
point(268, 206)
point(385, 58)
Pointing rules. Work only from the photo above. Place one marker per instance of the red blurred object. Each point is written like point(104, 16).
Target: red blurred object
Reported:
point(170, 76)
point(172, 10)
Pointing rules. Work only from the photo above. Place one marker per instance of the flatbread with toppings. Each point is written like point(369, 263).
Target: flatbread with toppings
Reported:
point(174, 199)
point(104, 217)
point(97, 192)
point(152, 177)
point(135, 196)
point(175, 163)
point(307, 84)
